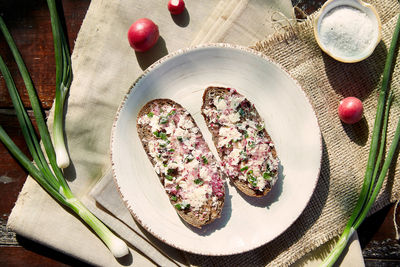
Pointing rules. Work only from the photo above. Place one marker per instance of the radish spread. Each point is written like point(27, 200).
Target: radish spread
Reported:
point(187, 169)
point(246, 148)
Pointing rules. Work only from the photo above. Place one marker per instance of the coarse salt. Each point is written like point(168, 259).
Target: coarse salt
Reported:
point(346, 31)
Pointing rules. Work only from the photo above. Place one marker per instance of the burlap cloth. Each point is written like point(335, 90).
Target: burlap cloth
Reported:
point(325, 81)
point(346, 147)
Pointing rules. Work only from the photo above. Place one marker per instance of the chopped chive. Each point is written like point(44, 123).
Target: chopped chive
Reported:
point(163, 120)
point(241, 112)
point(205, 160)
point(260, 127)
point(245, 168)
point(169, 177)
point(251, 178)
point(163, 136)
point(182, 206)
point(198, 181)
point(150, 114)
point(252, 144)
point(267, 176)
point(174, 198)
point(189, 158)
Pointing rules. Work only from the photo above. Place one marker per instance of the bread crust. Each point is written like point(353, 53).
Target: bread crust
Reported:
point(210, 212)
point(209, 95)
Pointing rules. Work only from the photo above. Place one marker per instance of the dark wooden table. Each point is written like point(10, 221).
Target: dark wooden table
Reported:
point(29, 23)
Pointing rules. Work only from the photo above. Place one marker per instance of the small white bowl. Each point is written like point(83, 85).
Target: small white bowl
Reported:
point(335, 53)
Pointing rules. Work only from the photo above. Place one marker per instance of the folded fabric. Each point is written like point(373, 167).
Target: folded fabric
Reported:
point(104, 68)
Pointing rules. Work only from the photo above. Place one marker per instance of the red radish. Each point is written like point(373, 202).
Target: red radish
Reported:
point(143, 34)
point(350, 110)
point(176, 7)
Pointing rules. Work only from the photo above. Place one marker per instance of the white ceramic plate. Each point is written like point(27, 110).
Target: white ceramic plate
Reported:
point(246, 223)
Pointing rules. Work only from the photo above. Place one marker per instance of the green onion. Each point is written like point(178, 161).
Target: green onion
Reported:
point(169, 177)
point(205, 160)
point(198, 181)
point(63, 82)
point(372, 180)
point(49, 177)
point(150, 114)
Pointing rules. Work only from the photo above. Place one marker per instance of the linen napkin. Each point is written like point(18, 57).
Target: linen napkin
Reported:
point(104, 68)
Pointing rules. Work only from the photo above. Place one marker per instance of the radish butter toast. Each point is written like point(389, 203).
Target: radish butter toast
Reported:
point(183, 161)
point(247, 152)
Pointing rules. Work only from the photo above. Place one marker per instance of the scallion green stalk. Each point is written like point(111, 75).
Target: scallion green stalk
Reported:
point(49, 177)
point(375, 172)
point(63, 82)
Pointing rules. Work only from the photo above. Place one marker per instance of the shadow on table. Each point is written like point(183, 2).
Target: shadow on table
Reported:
point(358, 132)
point(182, 20)
point(359, 80)
point(145, 59)
point(51, 256)
point(356, 79)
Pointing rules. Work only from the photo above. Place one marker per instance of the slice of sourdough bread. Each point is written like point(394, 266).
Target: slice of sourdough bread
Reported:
point(247, 152)
point(187, 169)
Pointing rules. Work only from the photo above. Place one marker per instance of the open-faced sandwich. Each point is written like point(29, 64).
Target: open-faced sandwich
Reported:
point(247, 152)
point(183, 161)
